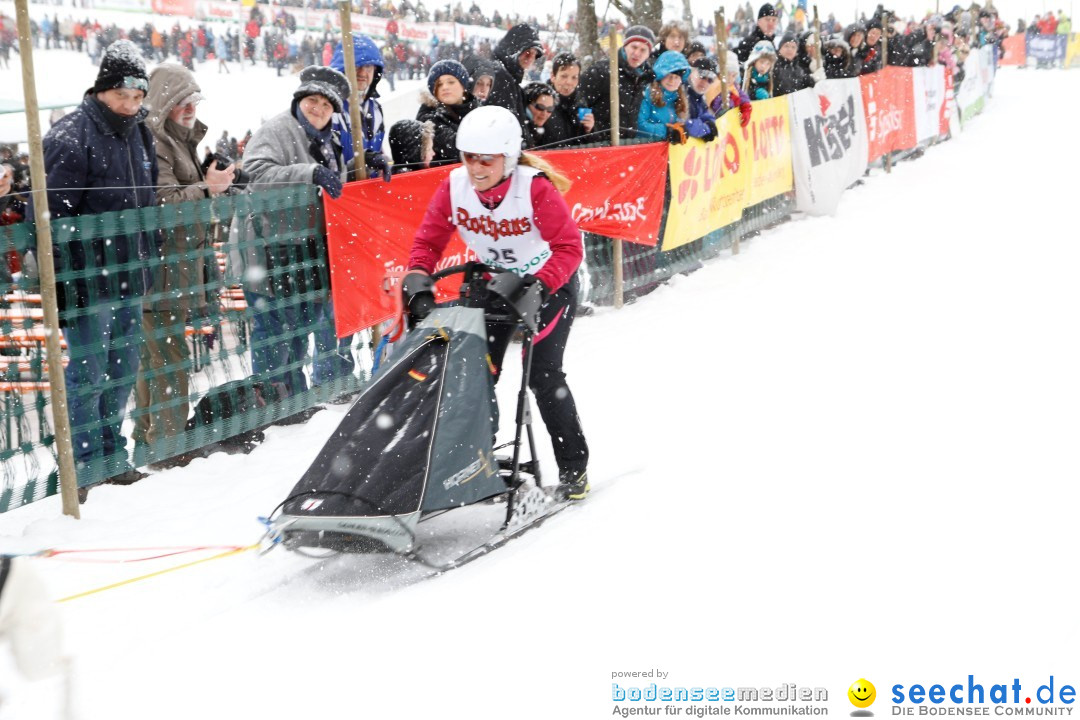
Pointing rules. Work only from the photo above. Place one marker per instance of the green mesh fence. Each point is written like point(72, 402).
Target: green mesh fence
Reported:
point(220, 330)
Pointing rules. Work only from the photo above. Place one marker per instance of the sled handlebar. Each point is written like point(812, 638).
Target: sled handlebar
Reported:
point(519, 304)
point(475, 268)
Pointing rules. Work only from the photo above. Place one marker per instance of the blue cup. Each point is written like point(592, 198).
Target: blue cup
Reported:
point(582, 112)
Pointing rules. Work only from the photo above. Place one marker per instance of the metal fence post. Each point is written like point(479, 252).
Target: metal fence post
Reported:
point(886, 18)
point(65, 457)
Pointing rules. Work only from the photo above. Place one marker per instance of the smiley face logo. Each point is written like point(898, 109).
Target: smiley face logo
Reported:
point(862, 693)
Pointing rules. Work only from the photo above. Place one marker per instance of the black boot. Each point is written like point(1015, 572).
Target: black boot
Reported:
point(573, 485)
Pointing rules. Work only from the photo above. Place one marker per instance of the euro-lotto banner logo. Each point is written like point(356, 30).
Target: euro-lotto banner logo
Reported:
point(977, 697)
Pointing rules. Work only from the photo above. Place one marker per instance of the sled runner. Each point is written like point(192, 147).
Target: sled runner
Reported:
point(417, 442)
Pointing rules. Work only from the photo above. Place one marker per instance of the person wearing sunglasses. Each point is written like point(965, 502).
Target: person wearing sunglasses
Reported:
point(508, 208)
point(702, 122)
point(539, 108)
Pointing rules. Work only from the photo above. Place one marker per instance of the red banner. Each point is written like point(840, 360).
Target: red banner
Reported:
point(889, 102)
point(1014, 50)
point(617, 192)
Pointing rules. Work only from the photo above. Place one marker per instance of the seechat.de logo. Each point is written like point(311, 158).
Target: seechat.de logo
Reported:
point(862, 695)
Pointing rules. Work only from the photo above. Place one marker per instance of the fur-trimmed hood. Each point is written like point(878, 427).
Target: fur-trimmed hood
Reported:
point(429, 101)
point(836, 41)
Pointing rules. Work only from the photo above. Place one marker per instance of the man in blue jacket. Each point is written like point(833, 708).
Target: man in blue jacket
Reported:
point(101, 158)
point(369, 67)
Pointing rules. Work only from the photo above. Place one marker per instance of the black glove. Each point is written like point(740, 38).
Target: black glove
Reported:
point(532, 281)
point(711, 134)
point(377, 163)
point(418, 290)
point(328, 180)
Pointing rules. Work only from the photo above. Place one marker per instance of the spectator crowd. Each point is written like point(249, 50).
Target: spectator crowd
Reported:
point(673, 85)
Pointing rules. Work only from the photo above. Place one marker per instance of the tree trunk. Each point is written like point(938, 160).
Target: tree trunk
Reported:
point(648, 13)
point(586, 30)
point(688, 14)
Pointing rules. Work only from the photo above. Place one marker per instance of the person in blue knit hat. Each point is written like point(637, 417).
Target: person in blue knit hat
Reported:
point(446, 103)
point(369, 68)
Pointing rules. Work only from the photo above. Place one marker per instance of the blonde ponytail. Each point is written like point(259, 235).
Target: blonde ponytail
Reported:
point(560, 181)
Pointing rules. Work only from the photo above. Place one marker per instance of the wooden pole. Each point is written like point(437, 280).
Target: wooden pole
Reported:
point(616, 247)
point(817, 36)
point(721, 54)
point(65, 457)
point(354, 98)
point(349, 52)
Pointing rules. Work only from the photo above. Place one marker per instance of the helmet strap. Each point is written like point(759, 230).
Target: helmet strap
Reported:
point(510, 164)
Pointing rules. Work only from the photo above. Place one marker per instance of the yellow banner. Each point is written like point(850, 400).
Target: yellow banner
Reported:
point(1072, 51)
point(712, 182)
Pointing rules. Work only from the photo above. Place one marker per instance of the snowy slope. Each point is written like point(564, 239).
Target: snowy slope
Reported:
point(847, 452)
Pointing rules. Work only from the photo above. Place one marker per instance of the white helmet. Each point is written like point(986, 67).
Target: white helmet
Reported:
point(491, 130)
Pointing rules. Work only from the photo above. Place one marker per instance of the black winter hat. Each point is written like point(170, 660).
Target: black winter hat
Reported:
point(788, 37)
point(706, 64)
point(122, 67)
point(639, 33)
point(408, 140)
point(767, 10)
point(325, 81)
point(695, 47)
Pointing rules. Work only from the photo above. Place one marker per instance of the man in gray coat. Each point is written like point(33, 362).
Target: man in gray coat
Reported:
point(286, 280)
point(183, 284)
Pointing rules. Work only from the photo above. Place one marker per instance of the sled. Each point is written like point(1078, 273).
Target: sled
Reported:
point(418, 440)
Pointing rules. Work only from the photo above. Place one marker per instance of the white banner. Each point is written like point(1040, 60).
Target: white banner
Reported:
point(929, 93)
point(828, 144)
point(978, 77)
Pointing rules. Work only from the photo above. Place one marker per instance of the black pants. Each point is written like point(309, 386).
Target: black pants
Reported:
point(547, 379)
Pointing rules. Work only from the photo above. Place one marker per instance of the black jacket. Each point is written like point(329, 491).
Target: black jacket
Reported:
point(790, 76)
point(563, 127)
point(918, 49)
point(748, 43)
point(837, 67)
point(868, 63)
point(595, 92)
point(446, 119)
point(98, 162)
point(506, 87)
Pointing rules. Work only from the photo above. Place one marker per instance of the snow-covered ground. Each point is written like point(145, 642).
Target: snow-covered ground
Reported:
point(849, 451)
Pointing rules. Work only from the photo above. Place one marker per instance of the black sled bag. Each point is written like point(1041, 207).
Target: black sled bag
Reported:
point(417, 440)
